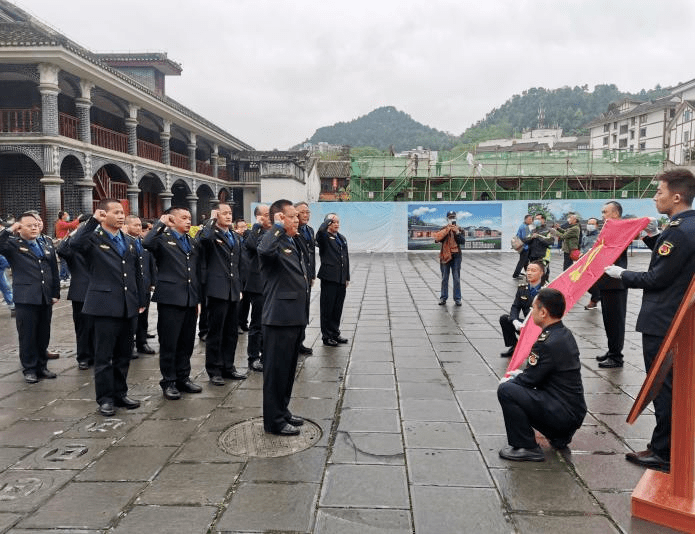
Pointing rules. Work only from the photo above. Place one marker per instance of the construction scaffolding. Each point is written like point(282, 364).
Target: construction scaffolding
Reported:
point(582, 174)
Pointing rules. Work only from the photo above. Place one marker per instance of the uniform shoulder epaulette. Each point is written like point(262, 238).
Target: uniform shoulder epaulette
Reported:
point(675, 223)
point(544, 335)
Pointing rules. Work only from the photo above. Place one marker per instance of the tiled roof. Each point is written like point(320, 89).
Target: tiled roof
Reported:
point(334, 169)
point(645, 107)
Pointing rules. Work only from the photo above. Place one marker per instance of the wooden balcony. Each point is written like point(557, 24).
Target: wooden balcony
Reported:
point(68, 125)
point(20, 120)
point(149, 151)
point(106, 138)
point(222, 174)
point(203, 168)
point(179, 160)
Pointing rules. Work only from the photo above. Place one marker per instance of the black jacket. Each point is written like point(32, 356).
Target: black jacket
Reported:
point(79, 269)
point(253, 283)
point(223, 263)
point(335, 261)
point(308, 248)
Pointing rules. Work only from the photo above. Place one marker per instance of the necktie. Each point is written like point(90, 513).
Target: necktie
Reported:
point(230, 239)
point(138, 246)
point(37, 249)
point(307, 235)
point(120, 245)
point(337, 240)
point(184, 244)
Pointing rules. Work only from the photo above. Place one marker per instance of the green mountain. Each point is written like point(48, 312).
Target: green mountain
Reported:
point(382, 128)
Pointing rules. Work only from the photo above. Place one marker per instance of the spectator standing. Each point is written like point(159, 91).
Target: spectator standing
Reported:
point(452, 239)
point(588, 240)
point(334, 274)
point(522, 233)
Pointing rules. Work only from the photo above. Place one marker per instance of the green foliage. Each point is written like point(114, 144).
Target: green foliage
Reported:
point(366, 152)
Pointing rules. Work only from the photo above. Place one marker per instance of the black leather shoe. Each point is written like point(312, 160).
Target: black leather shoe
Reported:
point(295, 420)
point(330, 342)
point(217, 380)
point(151, 336)
point(31, 378)
point(560, 443)
point(188, 386)
point(287, 430)
point(256, 365)
point(244, 328)
point(234, 375)
point(610, 363)
point(507, 353)
point(442, 302)
point(341, 339)
point(305, 350)
point(146, 349)
point(127, 402)
point(519, 454)
point(603, 357)
point(457, 302)
point(106, 409)
point(171, 393)
point(203, 337)
point(45, 373)
point(134, 356)
point(649, 459)
point(52, 355)
point(83, 366)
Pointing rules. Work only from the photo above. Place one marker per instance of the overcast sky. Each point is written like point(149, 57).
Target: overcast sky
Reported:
point(271, 72)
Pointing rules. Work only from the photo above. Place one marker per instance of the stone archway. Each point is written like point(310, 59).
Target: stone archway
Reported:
point(76, 195)
point(149, 198)
point(111, 182)
point(205, 195)
point(20, 185)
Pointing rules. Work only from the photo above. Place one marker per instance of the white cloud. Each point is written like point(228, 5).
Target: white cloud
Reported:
point(463, 214)
point(422, 210)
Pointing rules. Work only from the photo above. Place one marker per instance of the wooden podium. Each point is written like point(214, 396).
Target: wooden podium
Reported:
point(669, 498)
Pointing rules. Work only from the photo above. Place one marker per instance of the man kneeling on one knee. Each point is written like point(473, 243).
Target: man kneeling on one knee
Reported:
point(548, 394)
point(511, 322)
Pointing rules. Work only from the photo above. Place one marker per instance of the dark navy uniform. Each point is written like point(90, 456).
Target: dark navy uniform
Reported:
point(286, 291)
point(253, 289)
point(525, 294)
point(614, 309)
point(177, 294)
point(548, 395)
point(671, 269)
point(306, 239)
point(114, 294)
point(149, 276)
point(35, 283)
point(221, 253)
point(334, 274)
point(84, 327)
point(245, 303)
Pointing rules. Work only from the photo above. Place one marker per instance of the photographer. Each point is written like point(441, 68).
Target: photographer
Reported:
point(452, 239)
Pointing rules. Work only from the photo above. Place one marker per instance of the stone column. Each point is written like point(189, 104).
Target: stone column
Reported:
point(166, 199)
point(84, 104)
point(164, 137)
point(131, 126)
point(51, 188)
point(191, 153)
point(133, 194)
point(213, 160)
point(48, 87)
point(193, 208)
point(86, 189)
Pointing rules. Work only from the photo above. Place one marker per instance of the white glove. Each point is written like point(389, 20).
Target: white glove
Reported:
point(614, 271)
point(517, 325)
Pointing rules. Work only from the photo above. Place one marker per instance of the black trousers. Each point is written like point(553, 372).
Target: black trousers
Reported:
point(508, 330)
point(223, 334)
point(281, 351)
point(308, 305)
point(244, 307)
point(142, 326)
point(203, 327)
point(332, 300)
point(595, 293)
point(522, 263)
point(661, 436)
point(84, 333)
point(112, 351)
point(614, 309)
point(176, 331)
point(33, 323)
point(254, 346)
point(525, 409)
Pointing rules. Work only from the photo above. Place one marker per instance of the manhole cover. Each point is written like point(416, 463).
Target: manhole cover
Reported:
point(249, 439)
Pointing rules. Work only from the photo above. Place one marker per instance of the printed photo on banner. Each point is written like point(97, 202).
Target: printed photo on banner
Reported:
point(481, 223)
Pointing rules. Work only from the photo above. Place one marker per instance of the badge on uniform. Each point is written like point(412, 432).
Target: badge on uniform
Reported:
point(524, 297)
point(533, 358)
point(544, 335)
point(277, 233)
point(171, 243)
point(23, 249)
point(675, 223)
point(105, 247)
point(665, 248)
point(219, 241)
point(287, 251)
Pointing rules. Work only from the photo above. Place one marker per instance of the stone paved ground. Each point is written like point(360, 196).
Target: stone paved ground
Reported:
point(409, 418)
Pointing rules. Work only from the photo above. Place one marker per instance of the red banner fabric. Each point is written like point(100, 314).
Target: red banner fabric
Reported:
point(615, 237)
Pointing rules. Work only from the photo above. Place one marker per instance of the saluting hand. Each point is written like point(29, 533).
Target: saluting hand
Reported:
point(213, 214)
point(100, 215)
point(15, 227)
point(166, 219)
point(279, 217)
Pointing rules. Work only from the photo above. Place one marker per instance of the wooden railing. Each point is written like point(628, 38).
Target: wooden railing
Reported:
point(20, 120)
point(222, 174)
point(149, 151)
point(203, 168)
point(179, 160)
point(68, 125)
point(106, 138)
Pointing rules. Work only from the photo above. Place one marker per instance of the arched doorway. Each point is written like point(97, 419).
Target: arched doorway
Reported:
point(20, 189)
point(180, 191)
point(150, 188)
point(71, 172)
point(111, 182)
point(205, 195)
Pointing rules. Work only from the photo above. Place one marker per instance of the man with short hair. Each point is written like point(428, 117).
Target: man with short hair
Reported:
point(539, 242)
point(570, 235)
point(671, 269)
point(548, 394)
point(285, 314)
point(306, 239)
point(522, 233)
point(134, 228)
point(452, 239)
point(177, 294)
point(334, 274)
point(511, 323)
point(242, 229)
point(613, 301)
point(36, 287)
point(115, 295)
point(588, 240)
point(221, 253)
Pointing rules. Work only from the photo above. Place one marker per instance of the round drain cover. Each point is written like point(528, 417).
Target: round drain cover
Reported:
point(249, 439)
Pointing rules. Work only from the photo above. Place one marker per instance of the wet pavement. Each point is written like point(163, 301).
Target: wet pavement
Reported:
point(407, 428)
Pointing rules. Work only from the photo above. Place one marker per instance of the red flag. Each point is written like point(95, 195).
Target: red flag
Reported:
point(615, 237)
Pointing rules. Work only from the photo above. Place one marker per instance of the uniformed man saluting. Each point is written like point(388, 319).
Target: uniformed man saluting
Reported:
point(548, 395)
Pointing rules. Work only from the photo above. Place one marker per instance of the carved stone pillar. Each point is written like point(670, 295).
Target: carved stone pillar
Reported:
point(48, 87)
point(84, 104)
point(133, 194)
point(131, 125)
point(213, 160)
point(166, 197)
point(164, 137)
point(86, 189)
point(193, 208)
point(191, 153)
point(51, 187)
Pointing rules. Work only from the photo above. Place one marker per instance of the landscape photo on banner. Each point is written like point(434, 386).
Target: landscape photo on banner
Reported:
point(481, 223)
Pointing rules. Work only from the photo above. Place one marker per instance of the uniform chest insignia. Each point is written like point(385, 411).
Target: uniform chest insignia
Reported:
point(171, 243)
point(544, 335)
point(105, 247)
point(331, 237)
point(533, 358)
point(277, 233)
point(287, 251)
point(100, 232)
point(219, 241)
point(23, 249)
point(524, 297)
point(675, 223)
point(665, 248)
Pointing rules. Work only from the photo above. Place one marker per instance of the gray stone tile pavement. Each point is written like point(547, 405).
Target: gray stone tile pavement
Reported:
point(408, 410)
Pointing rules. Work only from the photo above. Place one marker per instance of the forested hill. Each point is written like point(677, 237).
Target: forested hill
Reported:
point(569, 108)
point(381, 128)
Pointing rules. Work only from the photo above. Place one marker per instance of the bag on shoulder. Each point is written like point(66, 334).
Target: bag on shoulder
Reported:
point(517, 244)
